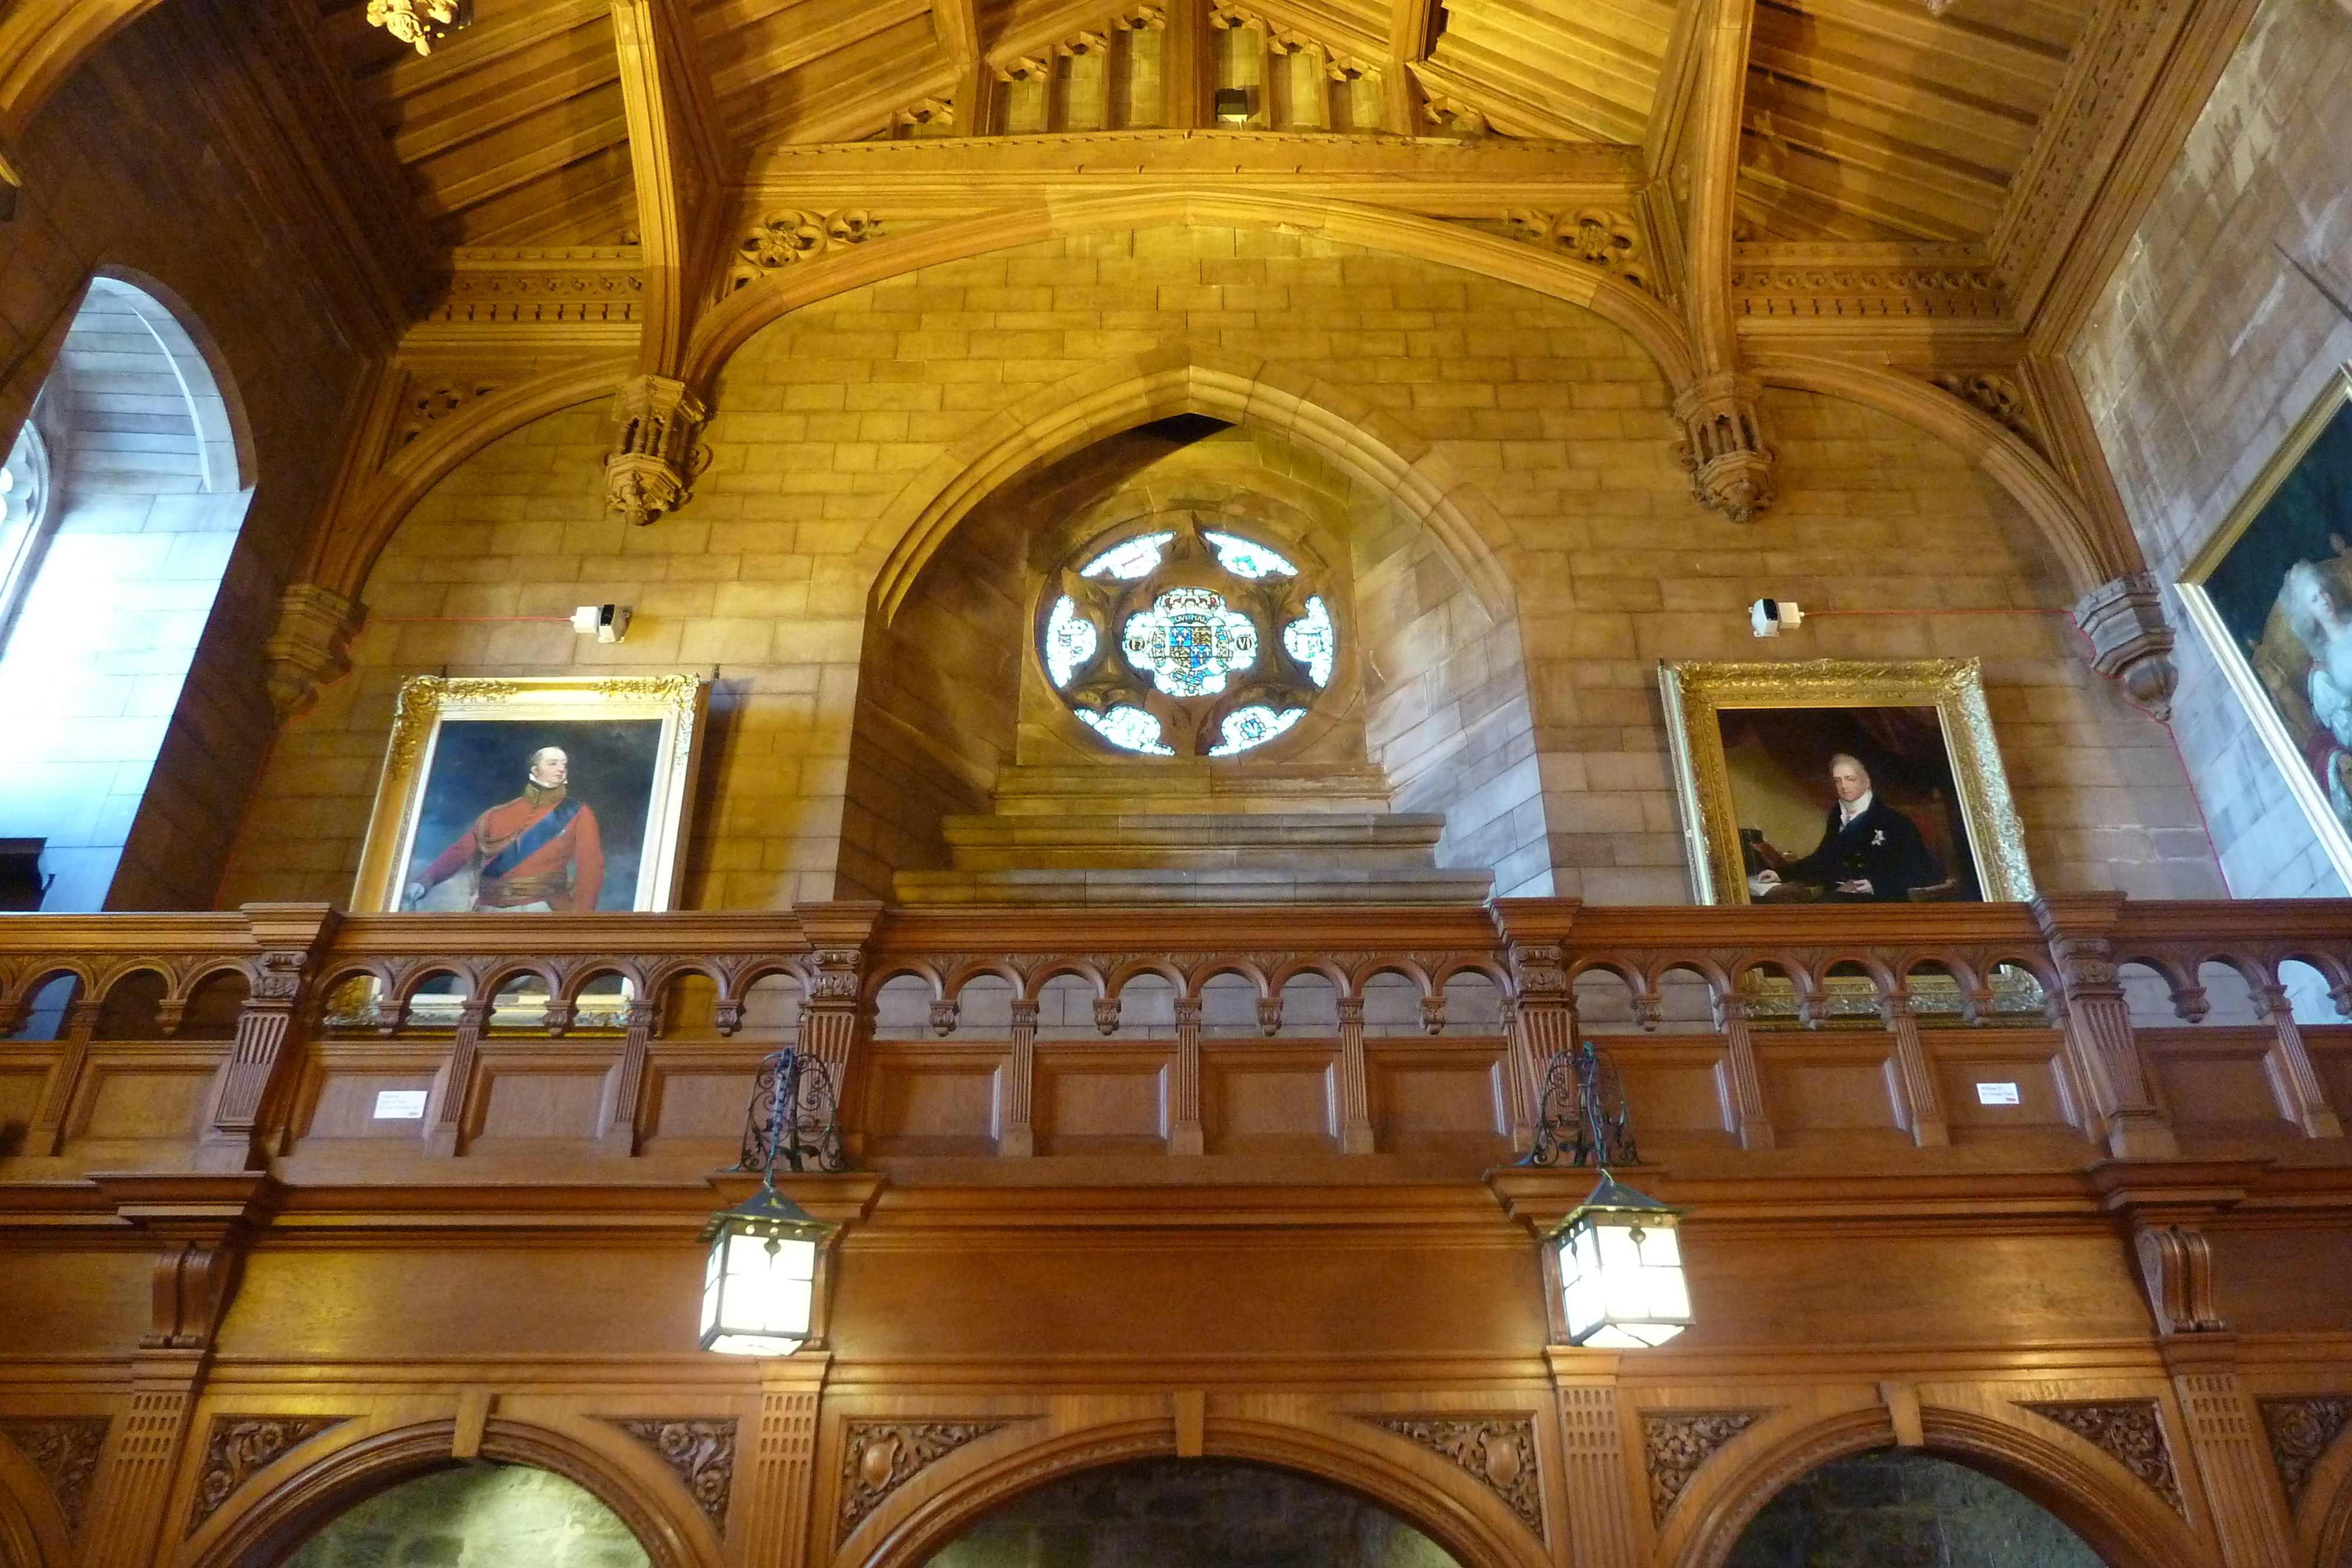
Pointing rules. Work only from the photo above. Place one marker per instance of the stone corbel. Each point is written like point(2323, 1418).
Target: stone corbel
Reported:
point(2130, 640)
point(311, 648)
point(655, 459)
point(1722, 445)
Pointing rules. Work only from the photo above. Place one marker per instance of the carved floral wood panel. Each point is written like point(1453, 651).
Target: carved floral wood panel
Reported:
point(701, 1452)
point(1496, 1451)
point(879, 1456)
point(2129, 1431)
point(1676, 1443)
point(238, 1446)
point(2301, 1431)
point(65, 1451)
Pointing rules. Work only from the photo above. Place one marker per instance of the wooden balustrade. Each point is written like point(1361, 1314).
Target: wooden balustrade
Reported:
point(223, 1041)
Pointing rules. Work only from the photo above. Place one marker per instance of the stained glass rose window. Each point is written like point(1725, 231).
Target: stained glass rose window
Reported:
point(1189, 642)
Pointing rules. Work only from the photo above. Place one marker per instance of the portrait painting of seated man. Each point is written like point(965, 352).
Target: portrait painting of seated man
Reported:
point(1847, 806)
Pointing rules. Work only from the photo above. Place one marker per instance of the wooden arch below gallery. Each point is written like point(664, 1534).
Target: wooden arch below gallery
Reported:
point(939, 1505)
point(1373, 445)
point(262, 1523)
point(2127, 1524)
point(34, 1530)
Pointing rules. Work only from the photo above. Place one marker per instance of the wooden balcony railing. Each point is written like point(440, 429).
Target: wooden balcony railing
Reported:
point(2075, 1028)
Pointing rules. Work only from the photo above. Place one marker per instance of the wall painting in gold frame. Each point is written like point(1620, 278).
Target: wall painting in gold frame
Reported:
point(1759, 753)
point(560, 795)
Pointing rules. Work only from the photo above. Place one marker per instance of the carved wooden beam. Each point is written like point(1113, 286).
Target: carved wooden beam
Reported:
point(1730, 467)
point(1414, 26)
point(956, 25)
point(683, 164)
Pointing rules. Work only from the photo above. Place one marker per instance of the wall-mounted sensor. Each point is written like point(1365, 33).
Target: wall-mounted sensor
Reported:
point(605, 623)
point(1770, 616)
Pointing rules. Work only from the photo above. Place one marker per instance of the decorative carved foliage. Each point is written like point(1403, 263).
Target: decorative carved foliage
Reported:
point(2128, 1431)
point(240, 1445)
point(1676, 1443)
point(430, 397)
point(1845, 282)
point(1611, 241)
point(2301, 1430)
point(65, 1449)
point(791, 237)
point(586, 284)
point(880, 1456)
point(701, 1452)
point(1498, 1451)
point(1993, 393)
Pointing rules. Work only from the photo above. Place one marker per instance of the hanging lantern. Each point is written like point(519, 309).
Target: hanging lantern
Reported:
point(1621, 1270)
point(758, 1289)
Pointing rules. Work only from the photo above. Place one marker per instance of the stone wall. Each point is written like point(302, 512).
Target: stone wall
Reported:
point(1898, 1510)
point(2207, 347)
point(1543, 426)
point(476, 1516)
point(159, 201)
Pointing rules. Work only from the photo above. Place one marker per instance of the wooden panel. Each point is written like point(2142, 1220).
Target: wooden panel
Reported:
point(20, 1096)
point(2040, 1102)
point(345, 1105)
point(1256, 1099)
point(1827, 1087)
point(1101, 1101)
point(1434, 1098)
point(932, 1103)
point(2214, 1082)
point(121, 1101)
point(1674, 1088)
point(2331, 1057)
point(535, 1102)
point(696, 1104)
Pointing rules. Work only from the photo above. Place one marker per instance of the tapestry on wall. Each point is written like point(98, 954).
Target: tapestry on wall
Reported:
point(2273, 593)
point(1841, 782)
point(533, 796)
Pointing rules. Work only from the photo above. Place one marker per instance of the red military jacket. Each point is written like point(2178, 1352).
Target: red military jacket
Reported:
point(567, 870)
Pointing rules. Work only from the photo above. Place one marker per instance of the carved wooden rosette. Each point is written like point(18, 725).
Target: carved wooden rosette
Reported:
point(2301, 1430)
point(65, 1451)
point(654, 462)
point(2128, 1431)
point(877, 1458)
point(238, 1446)
point(1723, 445)
point(699, 1451)
point(1496, 1451)
point(1676, 1443)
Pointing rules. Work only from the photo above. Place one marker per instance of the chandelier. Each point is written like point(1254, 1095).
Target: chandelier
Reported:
point(423, 23)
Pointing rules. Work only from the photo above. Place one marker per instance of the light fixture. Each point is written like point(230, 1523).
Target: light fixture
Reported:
point(760, 1288)
point(420, 23)
point(1617, 1256)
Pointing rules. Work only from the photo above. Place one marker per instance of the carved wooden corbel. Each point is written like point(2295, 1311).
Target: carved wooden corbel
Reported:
point(201, 1225)
point(654, 460)
point(2175, 1267)
point(2130, 640)
point(311, 648)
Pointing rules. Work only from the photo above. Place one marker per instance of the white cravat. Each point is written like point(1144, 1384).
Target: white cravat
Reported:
point(1849, 809)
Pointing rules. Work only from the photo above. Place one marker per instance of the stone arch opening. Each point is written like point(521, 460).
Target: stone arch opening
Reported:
point(1887, 1506)
point(965, 759)
point(1170, 1514)
point(143, 486)
point(475, 1511)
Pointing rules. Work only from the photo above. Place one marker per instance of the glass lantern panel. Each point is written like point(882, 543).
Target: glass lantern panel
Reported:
point(1070, 642)
point(1254, 725)
point(1188, 641)
point(1244, 557)
point(1311, 641)
point(1138, 557)
point(761, 1301)
point(1620, 1292)
point(1129, 727)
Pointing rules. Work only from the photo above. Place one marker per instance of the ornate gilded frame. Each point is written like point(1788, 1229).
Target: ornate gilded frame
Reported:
point(2244, 683)
point(1697, 693)
point(426, 701)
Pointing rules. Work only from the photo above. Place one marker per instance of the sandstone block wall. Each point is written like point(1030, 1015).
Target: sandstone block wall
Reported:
point(1550, 425)
point(2206, 349)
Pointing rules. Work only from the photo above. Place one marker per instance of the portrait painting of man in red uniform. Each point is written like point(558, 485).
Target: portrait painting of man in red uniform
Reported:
point(532, 818)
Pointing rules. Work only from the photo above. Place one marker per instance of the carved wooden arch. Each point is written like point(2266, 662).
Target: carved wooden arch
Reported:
point(1874, 969)
point(1290, 970)
point(1699, 966)
point(2328, 966)
point(263, 1529)
point(1372, 968)
point(33, 1532)
point(1033, 986)
point(1116, 981)
point(2088, 549)
point(1054, 420)
point(726, 328)
point(2324, 1522)
point(1478, 1536)
point(343, 552)
point(965, 973)
point(2121, 1520)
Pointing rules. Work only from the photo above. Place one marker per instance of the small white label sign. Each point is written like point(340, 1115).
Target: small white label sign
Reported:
point(1986, 1095)
point(400, 1105)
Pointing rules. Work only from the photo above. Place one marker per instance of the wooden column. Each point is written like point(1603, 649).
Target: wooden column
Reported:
point(2099, 1036)
point(1355, 1087)
point(1596, 1490)
point(1184, 1134)
point(1188, 68)
point(625, 1104)
point(1915, 1076)
point(2298, 1086)
point(1752, 1118)
point(2242, 1494)
point(46, 1134)
point(445, 1125)
point(251, 1081)
point(1016, 1135)
point(781, 1528)
point(1535, 932)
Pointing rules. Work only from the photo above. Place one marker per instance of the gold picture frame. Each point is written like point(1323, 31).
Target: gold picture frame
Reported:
point(2289, 525)
point(465, 761)
point(1833, 697)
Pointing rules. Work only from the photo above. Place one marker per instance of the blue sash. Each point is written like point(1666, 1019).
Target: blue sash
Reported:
point(532, 840)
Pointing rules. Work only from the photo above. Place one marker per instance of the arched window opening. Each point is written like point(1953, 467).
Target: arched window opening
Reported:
point(477, 1513)
point(120, 505)
point(1173, 1513)
point(1889, 1506)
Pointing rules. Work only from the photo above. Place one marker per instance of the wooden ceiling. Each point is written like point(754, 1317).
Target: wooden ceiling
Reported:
point(1866, 120)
